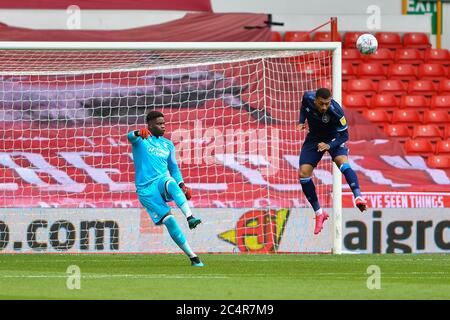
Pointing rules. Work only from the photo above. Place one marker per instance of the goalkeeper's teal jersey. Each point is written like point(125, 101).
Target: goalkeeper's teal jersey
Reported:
point(153, 158)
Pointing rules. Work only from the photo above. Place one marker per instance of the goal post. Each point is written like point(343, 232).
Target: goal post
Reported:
point(251, 87)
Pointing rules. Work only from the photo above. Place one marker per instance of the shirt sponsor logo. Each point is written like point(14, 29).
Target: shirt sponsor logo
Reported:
point(158, 151)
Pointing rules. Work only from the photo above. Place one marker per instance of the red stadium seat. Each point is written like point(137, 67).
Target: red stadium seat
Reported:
point(442, 147)
point(390, 40)
point(355, 101)
point(444, 87)
point(385, 101)
point(411, 56)
point(431, 71)
point(297, 36)
point(374, 71)
point(447, 132)
point(351, 37)
point(440, 102)
point(417, 40)
point(393, 86)
point(398, 131)
point(404, 72)
point(436, 116)
point(439, 161)
point(407, 116)
point(348, 72)
point(363, 86)
point(376, 116)
point(382, 55)
point(324, 36)
point(352, 55)
point(424, 87)
point(419, 146)
point(419, 103)
point(344, 85)
point(276, 36)
point(441, 56)
point(429, 131)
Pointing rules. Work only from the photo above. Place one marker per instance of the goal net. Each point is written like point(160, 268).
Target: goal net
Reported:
point(231, 109)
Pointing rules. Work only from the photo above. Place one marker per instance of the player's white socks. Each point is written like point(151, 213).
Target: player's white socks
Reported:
point(186, 209)
point(319, 212)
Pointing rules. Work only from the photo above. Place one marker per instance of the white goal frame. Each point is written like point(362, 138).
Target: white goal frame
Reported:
point(335, 47)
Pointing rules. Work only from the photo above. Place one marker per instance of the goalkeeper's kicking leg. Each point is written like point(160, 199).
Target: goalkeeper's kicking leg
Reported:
point(174, 192)
point(179, 195)
point(155, 200)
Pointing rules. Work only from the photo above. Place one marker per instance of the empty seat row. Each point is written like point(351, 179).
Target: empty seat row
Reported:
point(397, 87)
point(425, 147)
point(429, 131)
point(402, 55)
point(407, 116)
point(389, 102)
point(400, 71)
point(390, 40)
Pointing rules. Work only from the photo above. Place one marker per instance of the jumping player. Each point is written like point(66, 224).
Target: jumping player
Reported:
point(327, 132)
point(154, 158)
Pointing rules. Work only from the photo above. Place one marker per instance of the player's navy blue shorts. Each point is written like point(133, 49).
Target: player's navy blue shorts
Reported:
point(155, 197)
point(310, 155)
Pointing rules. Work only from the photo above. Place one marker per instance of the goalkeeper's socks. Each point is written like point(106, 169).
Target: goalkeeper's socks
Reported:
point(351, 178)
point(309, 189)
point(179, 197)
point(186, 210)
point(177, 235)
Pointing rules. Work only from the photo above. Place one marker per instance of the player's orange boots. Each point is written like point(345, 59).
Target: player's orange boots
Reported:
point(361, 203)
point(320, 219)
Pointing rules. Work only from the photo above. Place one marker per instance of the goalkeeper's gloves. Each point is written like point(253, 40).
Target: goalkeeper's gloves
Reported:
point(187, 191)
point(144, 133)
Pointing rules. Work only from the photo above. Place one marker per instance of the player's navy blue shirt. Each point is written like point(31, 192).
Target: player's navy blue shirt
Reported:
point(322, 126)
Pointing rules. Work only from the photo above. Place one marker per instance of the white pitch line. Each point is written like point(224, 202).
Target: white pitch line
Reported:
point(134, 276)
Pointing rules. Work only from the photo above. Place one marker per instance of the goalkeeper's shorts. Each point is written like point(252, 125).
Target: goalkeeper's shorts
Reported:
point(310, 155)
point(154, 198)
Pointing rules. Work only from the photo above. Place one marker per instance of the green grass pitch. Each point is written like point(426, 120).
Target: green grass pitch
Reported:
point(227, 276)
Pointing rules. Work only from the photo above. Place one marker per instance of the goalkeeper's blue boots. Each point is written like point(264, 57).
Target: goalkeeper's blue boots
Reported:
point(195, 262)
point(193, 222)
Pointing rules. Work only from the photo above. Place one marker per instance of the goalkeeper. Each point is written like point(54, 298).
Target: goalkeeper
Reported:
point(154, 158)
point(327, 132)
